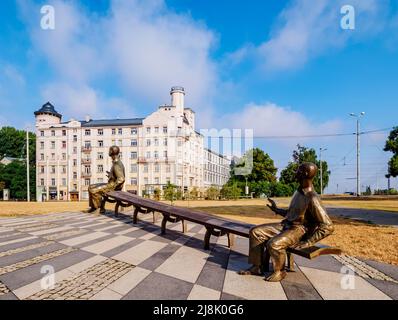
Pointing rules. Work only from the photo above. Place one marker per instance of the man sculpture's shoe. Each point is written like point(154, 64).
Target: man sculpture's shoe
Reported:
point(89, 210)
point(254, 271)
point(102, 211)
point(97, 212)
point(276, 276)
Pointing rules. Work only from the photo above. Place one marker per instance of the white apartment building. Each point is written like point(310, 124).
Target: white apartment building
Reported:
point(163, 147)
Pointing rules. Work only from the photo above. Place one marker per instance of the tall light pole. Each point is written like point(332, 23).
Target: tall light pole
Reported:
point(321, 167)
point(358, 134)
point(27, 164)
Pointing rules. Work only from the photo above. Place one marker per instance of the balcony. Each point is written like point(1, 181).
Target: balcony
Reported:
point(86, 174)
point(142, 160)
point(86, 161)
point(86, 149)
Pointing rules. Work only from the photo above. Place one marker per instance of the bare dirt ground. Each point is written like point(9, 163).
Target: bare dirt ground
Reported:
point(355, 238)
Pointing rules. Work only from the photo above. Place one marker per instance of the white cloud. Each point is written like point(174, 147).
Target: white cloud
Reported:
point(307, 28)
point(12, 74)
point(272, 120)
point(139, 46)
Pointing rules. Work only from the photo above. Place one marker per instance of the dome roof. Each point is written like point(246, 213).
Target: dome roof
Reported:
point(48, 108)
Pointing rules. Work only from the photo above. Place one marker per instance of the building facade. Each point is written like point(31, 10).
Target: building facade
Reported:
point(163, 147)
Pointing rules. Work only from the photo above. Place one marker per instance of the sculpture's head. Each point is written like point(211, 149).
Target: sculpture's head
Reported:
point(306, 171)
point(114, 151)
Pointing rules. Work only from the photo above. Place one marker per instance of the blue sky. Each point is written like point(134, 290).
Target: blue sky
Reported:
point(278, 67)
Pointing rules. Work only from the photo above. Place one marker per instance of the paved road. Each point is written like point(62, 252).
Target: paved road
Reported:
point(374, 216)
point(100, 257)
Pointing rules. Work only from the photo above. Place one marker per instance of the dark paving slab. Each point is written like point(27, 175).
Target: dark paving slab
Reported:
point(373, 216)
point(170, 236)
point(160, 287)
point(241, 246)
point(327, 263)
point(123, 247)
point(388, 287)
point(159, 257)
point(15, 236)
point(136, 233)
point(196, 228)
point(213, 272)
point(117, 229)
point(83, 224)
point(227, 296)
point(22, 277)
point(298, 287)
point(388, 269)
point(70, 236)
point(8, 296)
point(99, 226)
point(20, 244)
point(26, 255)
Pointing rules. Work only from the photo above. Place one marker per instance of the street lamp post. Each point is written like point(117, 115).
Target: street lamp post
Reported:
point(321, 167)
point(358, 134)
point(27, 165)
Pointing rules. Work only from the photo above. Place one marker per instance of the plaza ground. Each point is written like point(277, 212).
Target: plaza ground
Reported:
point(360, 238)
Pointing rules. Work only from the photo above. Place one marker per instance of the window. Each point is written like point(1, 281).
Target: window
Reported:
point(75, 176)
point(53, 133)
point(168, 168)
point(133, 168)
point(133, 142)
point(148, 154)
point(100, 180)
point(156, 129)
point(113, 131)
point(42, 133)
point(64, 156)
point(42, 169)
point(133, 181)
point(148, 129)
point(63, 169)
point(165, 141)
point(145, 168)
point(100, 155)
point(42, 145)
point(75, 138)
point(157, 168)
point(133, 131)
point(148, 142)
point(53, 182)
point(164, 129)
point(52, 169)
point(63, 144)
point(74, 150)
point(86, 182)
point(100, 143)
point(87, 132)
point(156, 154)
point(133, 155)
point(156, 142)
point(120, 143)
point(64, 133)
point(53, 156)
point(52, 144)
point(87, 144)
point(145, 180)
point(100, 168)
point(100, 132)
point(41, 156)
point(87, 169)
point(165, 153)
point(156, 180)
point(42, 182)
point(74, 162)
point(120, 131)
point(63, 182)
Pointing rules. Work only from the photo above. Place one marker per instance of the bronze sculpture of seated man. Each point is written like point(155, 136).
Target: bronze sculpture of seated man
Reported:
point(306, 222)
point(116, 178)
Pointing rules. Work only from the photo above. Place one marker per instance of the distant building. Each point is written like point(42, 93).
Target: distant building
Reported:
point(8, 160)
point(163, 147)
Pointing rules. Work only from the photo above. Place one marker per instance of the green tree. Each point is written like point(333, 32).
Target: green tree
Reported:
point(170, 192)
point(14, 177)
point(212, 193)
point(230, 191)
point(392, 146)
point(156, 194)
point(303, 154)
point(194, 193)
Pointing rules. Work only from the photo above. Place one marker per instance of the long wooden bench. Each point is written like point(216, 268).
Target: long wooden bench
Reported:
point(215, 226)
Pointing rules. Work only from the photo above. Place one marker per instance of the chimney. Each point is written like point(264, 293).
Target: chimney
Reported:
point(177, 98)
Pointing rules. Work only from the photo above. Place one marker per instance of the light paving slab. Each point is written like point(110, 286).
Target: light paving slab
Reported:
point(106, 294)
point(202, 293)
point(185, 264)
point(329, 285)
point(140, 252)
point(126, 231)
point(249, 287)
point(106, 245)
point(53, 230)
point(87, 237)
point(18, 240)
point(129, 281)
point(150, 235)
point(85, 264)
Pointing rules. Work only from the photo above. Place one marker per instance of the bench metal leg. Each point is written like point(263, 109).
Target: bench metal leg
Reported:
point(155, 216)
point(135, 214)
point(290, 262)
point(184, 226)
point(164, 221)
point(117, 208)
point(207, 238)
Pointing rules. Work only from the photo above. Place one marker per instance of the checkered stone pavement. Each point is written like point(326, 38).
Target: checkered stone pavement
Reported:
point(103, 257)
